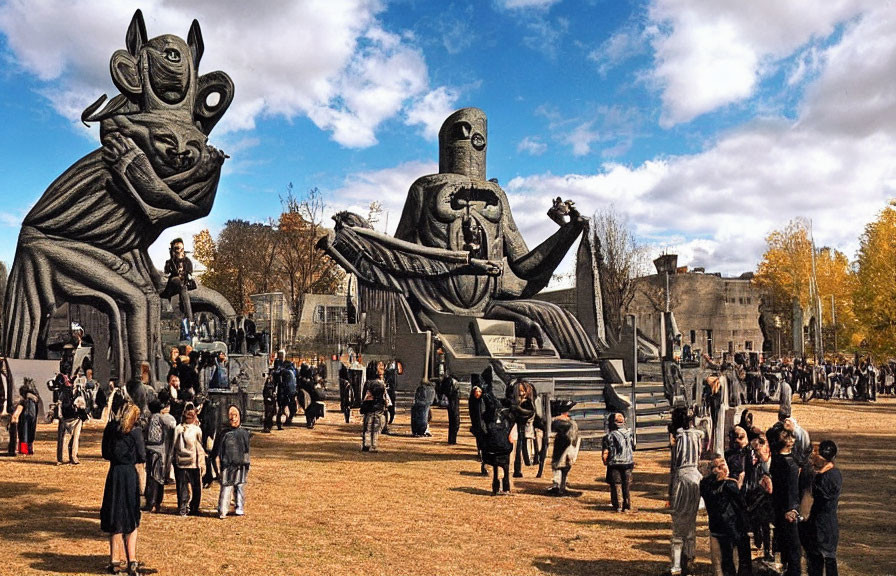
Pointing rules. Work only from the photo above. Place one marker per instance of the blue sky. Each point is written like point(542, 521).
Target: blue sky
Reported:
point(706, 123)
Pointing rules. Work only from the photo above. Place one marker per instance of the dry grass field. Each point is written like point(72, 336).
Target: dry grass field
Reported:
point(317, 505)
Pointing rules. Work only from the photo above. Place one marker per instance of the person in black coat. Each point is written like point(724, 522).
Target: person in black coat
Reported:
point(785, 475)
point(728, 523)
point(822, 532)
point(497, 446)
point(346, 394)
point(476, 405)
point(123, 447)
point(179, 269)
point(449, 390)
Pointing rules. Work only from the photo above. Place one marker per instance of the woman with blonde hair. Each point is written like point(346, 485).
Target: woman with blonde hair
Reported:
point(123, 447)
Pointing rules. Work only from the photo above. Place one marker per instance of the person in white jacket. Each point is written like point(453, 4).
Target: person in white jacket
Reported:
point(188, 456)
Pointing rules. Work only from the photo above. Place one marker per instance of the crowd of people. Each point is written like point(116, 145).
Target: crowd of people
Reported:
point(759, 381)
point(772, 485)
point(771, 490)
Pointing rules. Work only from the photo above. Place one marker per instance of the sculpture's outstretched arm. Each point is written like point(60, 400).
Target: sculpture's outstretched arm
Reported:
point(381, 259)
point(537, 265)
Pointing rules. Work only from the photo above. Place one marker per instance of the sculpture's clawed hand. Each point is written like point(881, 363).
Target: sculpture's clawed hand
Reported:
point(563, 208)
point(489, 267)
point(116, 147)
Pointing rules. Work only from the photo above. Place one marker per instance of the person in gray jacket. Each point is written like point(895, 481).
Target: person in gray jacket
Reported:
point(618, 456)
point(232, 447)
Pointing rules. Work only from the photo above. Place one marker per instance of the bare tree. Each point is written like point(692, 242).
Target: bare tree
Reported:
point(304, 268)
point(621, 261)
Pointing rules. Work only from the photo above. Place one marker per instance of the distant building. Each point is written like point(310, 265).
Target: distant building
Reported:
point(714, 314)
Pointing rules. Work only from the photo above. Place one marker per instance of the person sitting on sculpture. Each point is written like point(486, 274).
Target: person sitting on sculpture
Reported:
point(85, 240)
point(457, 249)
point(179, 269)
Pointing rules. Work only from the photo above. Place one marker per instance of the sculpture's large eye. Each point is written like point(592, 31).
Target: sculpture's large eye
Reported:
point(462, 130)
point(478, 141)
point(172, 55)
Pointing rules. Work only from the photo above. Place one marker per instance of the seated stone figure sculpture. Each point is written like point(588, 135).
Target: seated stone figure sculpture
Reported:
point(86, 239)
point(457, 249)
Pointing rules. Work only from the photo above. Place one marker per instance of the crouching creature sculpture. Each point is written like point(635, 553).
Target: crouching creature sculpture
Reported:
point(86, 239)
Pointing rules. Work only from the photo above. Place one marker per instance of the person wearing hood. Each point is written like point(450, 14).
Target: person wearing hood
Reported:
point(566, 445)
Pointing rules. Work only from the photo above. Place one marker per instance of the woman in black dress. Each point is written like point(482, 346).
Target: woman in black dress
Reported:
point(120, 513)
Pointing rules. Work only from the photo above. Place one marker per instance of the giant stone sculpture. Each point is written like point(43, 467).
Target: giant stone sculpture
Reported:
point(86, 239)
point(457, 250)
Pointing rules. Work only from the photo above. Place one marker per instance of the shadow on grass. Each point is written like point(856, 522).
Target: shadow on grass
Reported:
point(472, 490)
point(10, 489)
point(37, 523)
point(48, 562)
point(575, 567)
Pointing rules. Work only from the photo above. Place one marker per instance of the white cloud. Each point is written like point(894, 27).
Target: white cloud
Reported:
point(526, 4)
point(710, 54)
point(715, 208)
point(581, 138)
point(431, 110)
point(617, 49)
point(331, 61)
point(389, 186)
point(532, 145)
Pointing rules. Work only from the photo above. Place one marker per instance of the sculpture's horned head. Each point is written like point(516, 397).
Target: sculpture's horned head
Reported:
point(161, 71)
point(160, 75)
point(462, 143)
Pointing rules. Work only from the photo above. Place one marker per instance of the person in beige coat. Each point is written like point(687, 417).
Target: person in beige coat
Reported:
point(188, 456)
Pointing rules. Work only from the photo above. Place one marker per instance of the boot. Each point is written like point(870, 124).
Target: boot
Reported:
point(684, 565)
point(675, 555)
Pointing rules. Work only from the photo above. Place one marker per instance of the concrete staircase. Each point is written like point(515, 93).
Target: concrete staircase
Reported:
point(581, 382)
point(651, 415)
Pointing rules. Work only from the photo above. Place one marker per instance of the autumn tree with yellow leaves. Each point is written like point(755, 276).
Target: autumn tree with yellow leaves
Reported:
point(875, 294)
point(784, 277)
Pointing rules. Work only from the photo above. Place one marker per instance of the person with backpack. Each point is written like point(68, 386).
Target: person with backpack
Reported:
point(497, 443)
point(373, 406)
point(232, 447)
point(159, 431)
point(618, 456)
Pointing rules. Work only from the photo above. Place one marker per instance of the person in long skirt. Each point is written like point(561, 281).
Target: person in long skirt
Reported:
point(123, 447)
